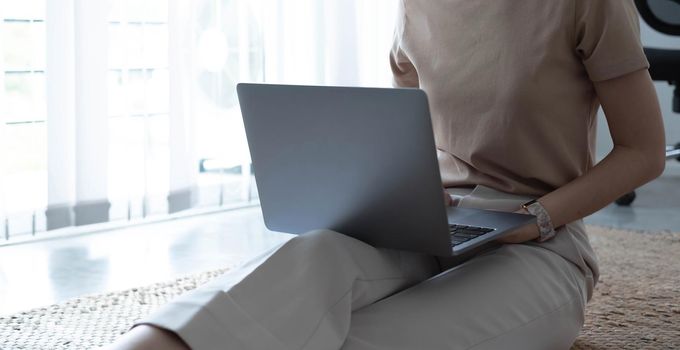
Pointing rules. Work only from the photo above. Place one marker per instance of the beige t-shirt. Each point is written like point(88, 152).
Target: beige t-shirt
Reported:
point(510, 85)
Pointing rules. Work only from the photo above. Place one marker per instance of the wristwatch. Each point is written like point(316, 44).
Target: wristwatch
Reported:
point(545, 225)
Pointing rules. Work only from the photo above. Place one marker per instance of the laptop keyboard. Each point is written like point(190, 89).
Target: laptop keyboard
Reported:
point(461, 233)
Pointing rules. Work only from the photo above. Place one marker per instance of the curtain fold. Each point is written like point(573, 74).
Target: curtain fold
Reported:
point(182, 173)
point(330, 42)
point(61, 126)
point(77, 114)
point(92, 133)
point(341, 42)
point(3, 147)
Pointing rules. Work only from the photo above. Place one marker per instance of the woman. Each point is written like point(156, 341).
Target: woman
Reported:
point(514, 87)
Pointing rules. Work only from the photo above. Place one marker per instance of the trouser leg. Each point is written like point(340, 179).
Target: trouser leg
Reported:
point(300, 296)
point(515, 297)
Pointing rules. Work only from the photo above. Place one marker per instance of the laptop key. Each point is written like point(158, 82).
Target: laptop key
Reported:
point(457, 241)
point(462, 233)
point(470, 232)
point(465, 235)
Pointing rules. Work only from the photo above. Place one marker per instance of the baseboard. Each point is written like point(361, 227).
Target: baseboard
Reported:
point(59, 216)
point(92, 212)
point(180, 200)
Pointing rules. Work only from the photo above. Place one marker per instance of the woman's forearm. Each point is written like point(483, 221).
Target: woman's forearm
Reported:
point(622, 171)
point(634, 117)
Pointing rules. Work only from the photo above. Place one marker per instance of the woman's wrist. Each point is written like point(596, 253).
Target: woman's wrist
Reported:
point(544, 223)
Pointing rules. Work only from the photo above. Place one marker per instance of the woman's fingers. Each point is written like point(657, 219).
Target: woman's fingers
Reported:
point(448, 201)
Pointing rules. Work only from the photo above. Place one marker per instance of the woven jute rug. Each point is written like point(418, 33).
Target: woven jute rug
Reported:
point(636, 304)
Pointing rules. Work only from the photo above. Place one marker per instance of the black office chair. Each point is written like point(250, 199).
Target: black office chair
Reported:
point(663, 16)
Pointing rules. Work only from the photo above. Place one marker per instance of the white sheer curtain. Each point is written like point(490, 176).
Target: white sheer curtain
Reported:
point(77, 113)
point(182, 174)
point(331, 42)
point(128, 123)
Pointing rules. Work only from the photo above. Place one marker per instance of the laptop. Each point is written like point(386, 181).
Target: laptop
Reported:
point(359, 161)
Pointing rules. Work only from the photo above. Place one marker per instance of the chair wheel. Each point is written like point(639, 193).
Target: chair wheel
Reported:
point(627, 199)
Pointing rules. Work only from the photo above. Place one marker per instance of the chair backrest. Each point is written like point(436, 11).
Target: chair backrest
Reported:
point(662, 15)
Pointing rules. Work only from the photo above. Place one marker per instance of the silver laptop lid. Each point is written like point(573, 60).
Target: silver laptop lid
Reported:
point(360, 161)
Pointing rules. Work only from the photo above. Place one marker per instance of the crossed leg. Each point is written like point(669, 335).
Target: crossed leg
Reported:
point(323, 289)
point(515, 297)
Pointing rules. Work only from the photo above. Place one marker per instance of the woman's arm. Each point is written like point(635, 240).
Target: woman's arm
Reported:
point(632, 110)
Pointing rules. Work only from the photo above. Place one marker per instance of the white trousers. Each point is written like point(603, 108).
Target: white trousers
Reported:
point(324, 290)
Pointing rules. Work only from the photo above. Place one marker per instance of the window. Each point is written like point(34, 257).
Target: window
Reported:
point(137, 100)
point(225, 46)
point(229, 47)
point(137, 103)
point(23, 173)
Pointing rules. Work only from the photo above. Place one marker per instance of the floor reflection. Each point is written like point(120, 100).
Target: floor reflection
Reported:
point(42, 273)
point(72, 271)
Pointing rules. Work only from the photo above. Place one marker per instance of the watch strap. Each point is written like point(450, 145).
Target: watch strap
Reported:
point(545, 226)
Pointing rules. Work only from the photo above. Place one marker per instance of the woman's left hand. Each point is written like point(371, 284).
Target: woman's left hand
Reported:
point(523, 234)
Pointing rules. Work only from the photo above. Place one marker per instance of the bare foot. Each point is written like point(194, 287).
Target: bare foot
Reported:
point(148, 338)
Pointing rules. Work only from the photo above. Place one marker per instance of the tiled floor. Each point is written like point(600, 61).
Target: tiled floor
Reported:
point(38, 274)
point(657, 207)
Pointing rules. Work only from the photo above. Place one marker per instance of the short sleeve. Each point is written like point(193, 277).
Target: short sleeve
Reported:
point(403, 72)
point(608, 38)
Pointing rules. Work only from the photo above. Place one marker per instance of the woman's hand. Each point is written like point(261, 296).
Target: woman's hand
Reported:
point(520, 235)
point(523, 234)
point(448, 201)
